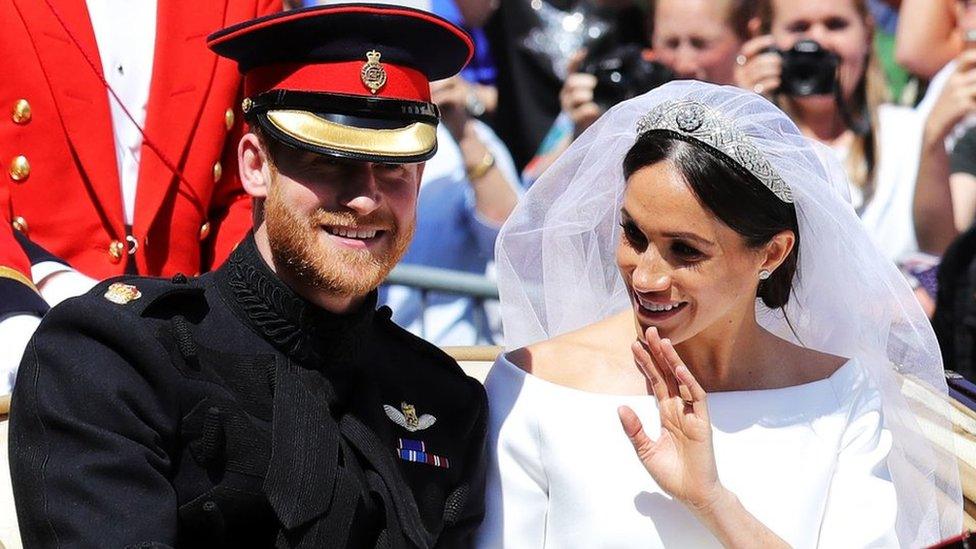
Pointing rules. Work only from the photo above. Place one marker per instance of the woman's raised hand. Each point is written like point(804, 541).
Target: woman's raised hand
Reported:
point(681, 460)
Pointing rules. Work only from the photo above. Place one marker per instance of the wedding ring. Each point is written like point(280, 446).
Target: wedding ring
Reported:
point(740, 60)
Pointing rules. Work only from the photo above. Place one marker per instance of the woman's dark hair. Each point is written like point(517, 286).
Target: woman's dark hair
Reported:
point(730, 192)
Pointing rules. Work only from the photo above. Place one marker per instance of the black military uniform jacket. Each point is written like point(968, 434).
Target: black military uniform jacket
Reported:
point(227, 411)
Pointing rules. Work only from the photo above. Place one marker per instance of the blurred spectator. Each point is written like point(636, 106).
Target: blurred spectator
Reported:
point(903, 85)
point(468, 190)
point(947, 186)
point(105, 104)
point(927, 37)
point(481, 95)
point(108, 188)
point(878, 143)
point(532, 42)
point(697, 39)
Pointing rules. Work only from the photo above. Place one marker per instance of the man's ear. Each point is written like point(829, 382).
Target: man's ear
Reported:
point(254, 166)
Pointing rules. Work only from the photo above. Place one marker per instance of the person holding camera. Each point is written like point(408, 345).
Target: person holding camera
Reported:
point(694, 39)
point(815, 61)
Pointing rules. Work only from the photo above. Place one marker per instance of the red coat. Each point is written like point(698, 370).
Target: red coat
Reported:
point(70, 201)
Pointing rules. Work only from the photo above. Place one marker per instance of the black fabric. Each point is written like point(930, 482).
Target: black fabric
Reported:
point(228, 412)
point(954, 320)
point(963, 156)
point(19, 298)
point(35, 253)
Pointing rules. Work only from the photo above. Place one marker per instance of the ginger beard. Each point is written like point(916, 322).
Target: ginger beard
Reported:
point(298, 245)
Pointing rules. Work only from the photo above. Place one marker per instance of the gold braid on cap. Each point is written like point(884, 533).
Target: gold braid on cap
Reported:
point(700, 122)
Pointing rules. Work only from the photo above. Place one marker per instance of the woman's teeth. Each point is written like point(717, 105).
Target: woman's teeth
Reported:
point(659, 308)
point(352, 233)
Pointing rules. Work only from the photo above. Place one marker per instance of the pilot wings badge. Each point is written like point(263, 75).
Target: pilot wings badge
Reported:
point(406, 417)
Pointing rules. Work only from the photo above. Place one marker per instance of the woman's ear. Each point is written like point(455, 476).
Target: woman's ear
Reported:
point(777, 250)
point(254, 166)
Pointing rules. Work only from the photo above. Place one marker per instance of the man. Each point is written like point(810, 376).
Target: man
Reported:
point(103, 100)
point(269, 403)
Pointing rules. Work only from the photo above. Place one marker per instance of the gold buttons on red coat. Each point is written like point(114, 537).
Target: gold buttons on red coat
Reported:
point(19, 168)
point(218, 171)
point(204, 230)
point(229, 118)
point(20, 224)
point(116, 249)
point(21, 113)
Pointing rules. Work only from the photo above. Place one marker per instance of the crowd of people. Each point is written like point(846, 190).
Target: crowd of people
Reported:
point(724, 234)
point(851, 74)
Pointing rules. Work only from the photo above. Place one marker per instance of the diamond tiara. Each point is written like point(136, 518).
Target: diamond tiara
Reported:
point(702, 123)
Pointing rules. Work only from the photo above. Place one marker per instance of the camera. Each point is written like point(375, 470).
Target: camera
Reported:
point(624, 72)
point(808, 69)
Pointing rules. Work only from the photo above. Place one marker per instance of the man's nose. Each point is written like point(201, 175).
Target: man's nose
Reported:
point(361, 193)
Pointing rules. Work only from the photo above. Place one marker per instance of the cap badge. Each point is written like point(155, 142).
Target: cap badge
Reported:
point(121, 294)
point(407, 418)
point(246, 104)
point(373, 74)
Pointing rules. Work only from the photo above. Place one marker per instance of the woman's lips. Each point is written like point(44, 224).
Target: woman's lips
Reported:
point(658, 312)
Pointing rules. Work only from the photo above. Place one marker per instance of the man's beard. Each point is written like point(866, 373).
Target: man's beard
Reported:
point(296, 248)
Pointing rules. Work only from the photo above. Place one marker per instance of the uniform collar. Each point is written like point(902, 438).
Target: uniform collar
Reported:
point(301, 330)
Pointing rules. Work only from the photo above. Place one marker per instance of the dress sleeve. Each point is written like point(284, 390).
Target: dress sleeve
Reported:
point(517, 497)
point(861, 504)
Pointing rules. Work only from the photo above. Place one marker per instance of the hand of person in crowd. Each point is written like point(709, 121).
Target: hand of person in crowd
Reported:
point(957, 100)
point(681, 460)
point(451, 96)
point(576, 96)
point(757, 67)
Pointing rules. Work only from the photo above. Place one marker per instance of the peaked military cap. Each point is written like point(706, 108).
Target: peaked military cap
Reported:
point(347, 80)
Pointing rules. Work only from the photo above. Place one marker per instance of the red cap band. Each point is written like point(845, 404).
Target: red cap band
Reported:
point(340, 77)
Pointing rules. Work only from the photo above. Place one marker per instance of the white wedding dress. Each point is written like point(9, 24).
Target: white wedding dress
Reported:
point(808, 461)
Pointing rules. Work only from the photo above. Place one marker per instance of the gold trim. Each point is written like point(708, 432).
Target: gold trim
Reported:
point(416, 139)
point(14, 274)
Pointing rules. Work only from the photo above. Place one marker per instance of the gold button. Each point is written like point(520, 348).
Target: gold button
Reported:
point(116, 250)
point(21, 112)
point(229, 118)
point(218, 171)
point(20, 224)
point(19, 168)
point(204, 230)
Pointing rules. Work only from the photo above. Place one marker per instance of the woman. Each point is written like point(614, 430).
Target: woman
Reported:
point(773, 422)
point(878, 144)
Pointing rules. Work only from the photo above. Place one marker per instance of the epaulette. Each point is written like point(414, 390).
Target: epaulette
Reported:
point(152, 296)
point(385, 316)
